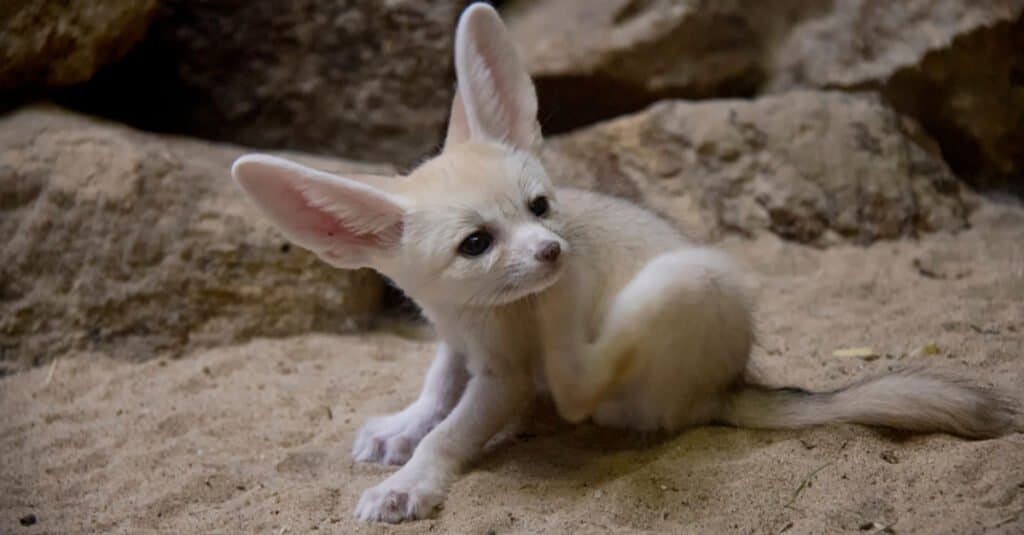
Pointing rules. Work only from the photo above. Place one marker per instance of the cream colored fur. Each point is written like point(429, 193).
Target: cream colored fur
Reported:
point(632, 326)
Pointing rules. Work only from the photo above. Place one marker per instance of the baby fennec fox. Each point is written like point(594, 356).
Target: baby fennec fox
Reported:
point(532, 287)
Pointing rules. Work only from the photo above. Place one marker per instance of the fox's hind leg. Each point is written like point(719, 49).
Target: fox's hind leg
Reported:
point(676, 335)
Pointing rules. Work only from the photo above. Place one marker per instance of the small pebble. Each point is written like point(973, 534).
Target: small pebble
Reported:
point(28, 520)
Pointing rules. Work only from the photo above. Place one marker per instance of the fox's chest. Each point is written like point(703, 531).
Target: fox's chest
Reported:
point(498, 341)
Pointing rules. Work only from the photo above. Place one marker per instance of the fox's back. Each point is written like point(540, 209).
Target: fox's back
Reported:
point(611, 239)
point(615, 233)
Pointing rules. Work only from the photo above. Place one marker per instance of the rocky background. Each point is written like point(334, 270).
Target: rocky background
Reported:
point(808, 136)
point(822, 122)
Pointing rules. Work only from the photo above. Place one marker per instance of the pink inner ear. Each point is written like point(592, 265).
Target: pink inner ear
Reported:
point(315, 220)
point(311, 222)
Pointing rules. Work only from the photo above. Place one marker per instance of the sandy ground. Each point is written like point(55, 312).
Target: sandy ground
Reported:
point(255, 438)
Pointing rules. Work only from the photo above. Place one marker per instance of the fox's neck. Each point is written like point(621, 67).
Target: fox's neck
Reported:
point(505, 332)
point(466, 317)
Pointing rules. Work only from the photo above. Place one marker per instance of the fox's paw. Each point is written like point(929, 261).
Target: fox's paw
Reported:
point(391, 439)
point(397, 499)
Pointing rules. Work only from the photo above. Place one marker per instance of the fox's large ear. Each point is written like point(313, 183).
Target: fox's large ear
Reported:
point(458, 128)
point(495, 90)
point(344, 221)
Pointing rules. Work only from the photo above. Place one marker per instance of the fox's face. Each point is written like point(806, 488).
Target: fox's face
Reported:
point(477, 225)
point(483, 227)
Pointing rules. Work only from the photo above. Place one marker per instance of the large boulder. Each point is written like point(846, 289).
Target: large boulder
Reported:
point(970, 98)
point(867, 41)
point(815, 167)
point(595, 59)
point(954, 65)
point(356, 79)
point(136, 244)
point(63, 42)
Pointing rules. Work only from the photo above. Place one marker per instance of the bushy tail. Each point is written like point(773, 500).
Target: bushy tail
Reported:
point(913, 400)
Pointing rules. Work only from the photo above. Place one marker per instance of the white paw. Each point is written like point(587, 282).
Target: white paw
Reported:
point(399, 498)
point(391, 439)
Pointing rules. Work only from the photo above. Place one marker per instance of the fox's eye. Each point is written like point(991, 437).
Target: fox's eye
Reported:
point(476, 243)
point(539, 206)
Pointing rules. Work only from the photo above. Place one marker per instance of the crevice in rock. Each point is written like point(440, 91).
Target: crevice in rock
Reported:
point(984, 143)
point(569, 103)
point(142, 90)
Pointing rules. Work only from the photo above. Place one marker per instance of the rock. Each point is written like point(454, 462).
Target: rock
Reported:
point(867, 41)
point(813, 167)
point(596, 59)
point(58, 43)
point(137, 243)
point(970, 98)
point(954, 65)
point(947, 263)
point(365, 80)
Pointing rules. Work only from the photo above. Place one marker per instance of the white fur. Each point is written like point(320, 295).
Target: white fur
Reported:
point(633, 326)
point(391, 439)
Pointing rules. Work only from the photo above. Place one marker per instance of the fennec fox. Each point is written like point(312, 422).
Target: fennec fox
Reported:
point(536, 288)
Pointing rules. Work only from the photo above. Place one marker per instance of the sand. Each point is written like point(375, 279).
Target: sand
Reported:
point(255, 438)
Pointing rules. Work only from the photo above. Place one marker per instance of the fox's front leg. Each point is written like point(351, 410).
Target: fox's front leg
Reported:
point(489, 403)
point(391, 439)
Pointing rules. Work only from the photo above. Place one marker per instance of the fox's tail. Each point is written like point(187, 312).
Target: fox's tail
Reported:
point(914, 400)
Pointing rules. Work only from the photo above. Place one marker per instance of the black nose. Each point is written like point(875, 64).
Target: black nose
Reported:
point(548, 251)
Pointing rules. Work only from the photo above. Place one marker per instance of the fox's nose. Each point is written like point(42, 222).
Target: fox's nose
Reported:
point(548, 251)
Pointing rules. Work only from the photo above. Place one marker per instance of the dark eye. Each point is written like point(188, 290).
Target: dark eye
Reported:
point(475, 244)
point(539, 206)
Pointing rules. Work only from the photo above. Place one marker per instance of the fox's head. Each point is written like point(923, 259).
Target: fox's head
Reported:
point(479, 224)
